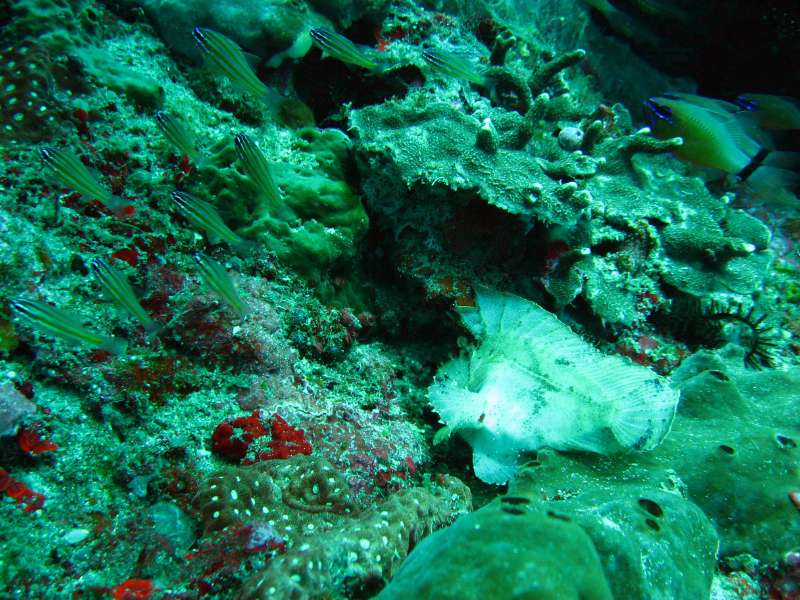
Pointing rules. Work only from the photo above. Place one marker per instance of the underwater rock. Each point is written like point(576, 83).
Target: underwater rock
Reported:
point(262, 28)
point(140, 89)
point(532, 383)
point(511, 548)
point(644, 531)
point(741, 428)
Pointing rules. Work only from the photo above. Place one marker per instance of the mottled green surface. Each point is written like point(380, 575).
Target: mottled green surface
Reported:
point(503, 550)
point(403, 190)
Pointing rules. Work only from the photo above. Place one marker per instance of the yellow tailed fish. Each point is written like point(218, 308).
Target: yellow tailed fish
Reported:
point(453, 66)
point(117, 288)
point(61, 324)
point(177, 134)
point(258, 170)
point(227, 57)
point(772, 112)
point(217, 278)
point(719, 136)
point(73, 174)
point(205, 216)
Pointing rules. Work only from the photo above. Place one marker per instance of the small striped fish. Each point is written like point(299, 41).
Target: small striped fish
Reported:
point(257, 168)
point(73, 174)
point(224, 55)
point(218, 280)
point(177, 134)
point(205, 216)
point(339, 47)
point(454, 66)
point(56, 322)
point(117, 288)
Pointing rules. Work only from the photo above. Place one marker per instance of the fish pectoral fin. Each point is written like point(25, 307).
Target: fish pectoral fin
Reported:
point(442, 435)
point(494, 468)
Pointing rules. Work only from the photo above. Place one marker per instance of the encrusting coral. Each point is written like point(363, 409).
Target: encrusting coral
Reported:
point(331, 543)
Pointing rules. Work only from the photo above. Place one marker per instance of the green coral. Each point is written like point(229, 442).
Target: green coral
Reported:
point(333, 547)
point(105, 70)
point(644, 532)
point(321, 219)
point(513, 546)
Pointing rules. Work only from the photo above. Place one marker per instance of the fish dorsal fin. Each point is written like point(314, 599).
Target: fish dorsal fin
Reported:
point(521, 328)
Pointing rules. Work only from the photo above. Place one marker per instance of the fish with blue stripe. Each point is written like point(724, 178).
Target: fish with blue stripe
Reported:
point(773, 113)
point(257, 169)
point(454, 66)
point(721, 135)
point(225, 56)
point(339, 47)
point(177, 134)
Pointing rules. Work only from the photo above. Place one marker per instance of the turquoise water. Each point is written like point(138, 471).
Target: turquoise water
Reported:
point(399, 299)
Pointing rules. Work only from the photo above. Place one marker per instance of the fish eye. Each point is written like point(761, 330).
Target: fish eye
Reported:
point(747, 104)
point(659, 110)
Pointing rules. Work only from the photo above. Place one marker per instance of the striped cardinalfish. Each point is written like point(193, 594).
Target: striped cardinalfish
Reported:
point(205, 216)
point(58, 323)
point(256, 167)
point(339, 47)
point(453, 66)
point(73, 174)
point(177, 134)
point(224, 55)
point(116, 287)
point(219, 281)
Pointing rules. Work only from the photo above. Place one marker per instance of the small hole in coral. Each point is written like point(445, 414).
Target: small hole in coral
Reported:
point(652, 525)
point(726, 449)
point(651, 506)
point(513, 511)
point(719, 375)
point(515, 500)
point(553, 515)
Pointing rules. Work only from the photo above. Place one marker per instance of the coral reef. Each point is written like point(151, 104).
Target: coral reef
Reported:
point(366, 554)
point(238, 295)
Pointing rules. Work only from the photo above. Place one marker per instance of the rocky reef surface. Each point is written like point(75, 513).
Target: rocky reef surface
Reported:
point(239, 240)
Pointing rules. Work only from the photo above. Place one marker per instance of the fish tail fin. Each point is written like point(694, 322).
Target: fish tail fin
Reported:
point(243, 246)
point(777, 176)
point(200, 161)
point(117, 204)
point(788, 161)
point(151, 329)
point(116, 346)
point(641, 420)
